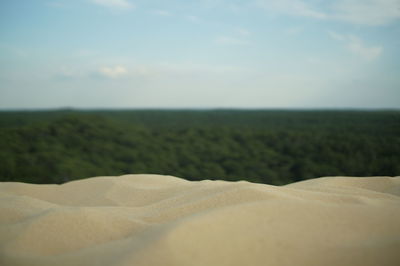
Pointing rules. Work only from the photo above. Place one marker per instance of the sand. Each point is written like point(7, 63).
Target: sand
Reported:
point(163, 220)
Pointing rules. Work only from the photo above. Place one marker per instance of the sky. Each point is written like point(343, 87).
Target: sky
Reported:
point(199, 54)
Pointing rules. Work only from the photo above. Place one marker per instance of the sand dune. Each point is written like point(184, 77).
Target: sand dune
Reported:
point(163, 220)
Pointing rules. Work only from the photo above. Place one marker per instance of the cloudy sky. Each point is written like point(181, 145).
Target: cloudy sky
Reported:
point(199, 54)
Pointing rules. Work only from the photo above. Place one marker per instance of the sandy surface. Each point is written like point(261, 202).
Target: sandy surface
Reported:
point(163, 220)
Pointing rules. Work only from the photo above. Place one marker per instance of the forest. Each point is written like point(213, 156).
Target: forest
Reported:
point(265, 146)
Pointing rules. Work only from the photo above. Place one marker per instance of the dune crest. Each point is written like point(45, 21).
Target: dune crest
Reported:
point(165, 220)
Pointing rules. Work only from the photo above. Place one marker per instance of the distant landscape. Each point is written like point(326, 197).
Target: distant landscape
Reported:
point(266, 146)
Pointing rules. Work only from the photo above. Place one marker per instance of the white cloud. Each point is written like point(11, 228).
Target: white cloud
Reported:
point(193, 68)
point(113, 72)
point(336, 36)
point(211, 3)
point(156, 71)
point(292, 7)
point(235, 8)
point(163, 13)
point(239, 38)
point(294, 30)
point(367, 12)
point(226, 40)
point(360, 12)
point(243, 31)
point(356, 46)
point(95, 72)
point(192, 18)
point(124, 4)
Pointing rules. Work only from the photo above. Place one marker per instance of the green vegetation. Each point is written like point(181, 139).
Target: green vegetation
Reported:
point(274, 147)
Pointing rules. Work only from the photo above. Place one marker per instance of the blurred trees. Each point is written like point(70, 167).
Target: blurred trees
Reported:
point(275, 147)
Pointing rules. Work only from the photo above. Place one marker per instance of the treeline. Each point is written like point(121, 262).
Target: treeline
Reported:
point(274, 147)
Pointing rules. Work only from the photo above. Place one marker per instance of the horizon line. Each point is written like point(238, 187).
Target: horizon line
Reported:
point(88, 109)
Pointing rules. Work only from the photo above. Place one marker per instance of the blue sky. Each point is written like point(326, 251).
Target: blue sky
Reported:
point(199, 54)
